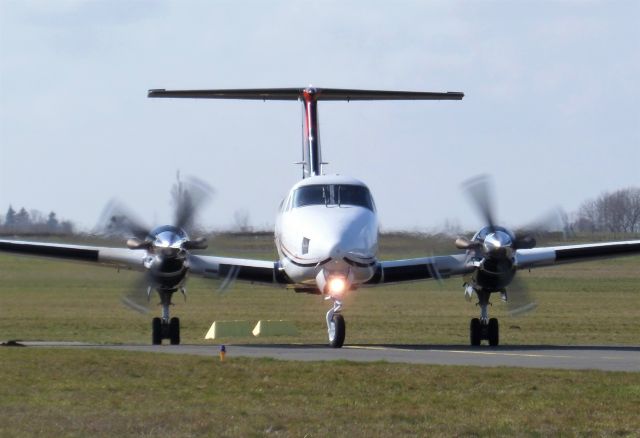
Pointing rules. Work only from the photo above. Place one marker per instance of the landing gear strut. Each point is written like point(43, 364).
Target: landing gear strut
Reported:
point(484, 328)
point(165, 327)
point(335, 325)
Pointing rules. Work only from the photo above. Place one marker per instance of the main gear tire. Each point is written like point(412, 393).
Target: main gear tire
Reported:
point(156, 331)
point(475, 332)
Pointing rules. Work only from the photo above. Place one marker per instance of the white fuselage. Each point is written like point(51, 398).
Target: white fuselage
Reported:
point(327, 227)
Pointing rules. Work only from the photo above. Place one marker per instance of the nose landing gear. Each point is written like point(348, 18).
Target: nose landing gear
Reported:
point(335, 325)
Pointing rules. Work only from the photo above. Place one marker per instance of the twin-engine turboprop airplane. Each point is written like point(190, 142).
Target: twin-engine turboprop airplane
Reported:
point(326, 236)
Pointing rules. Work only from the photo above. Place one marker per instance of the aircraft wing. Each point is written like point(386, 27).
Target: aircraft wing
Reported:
point(425, 268)
point(122, 257)
point(257, 271)
point(230, 269)
point(439, 267)
point(553, 255)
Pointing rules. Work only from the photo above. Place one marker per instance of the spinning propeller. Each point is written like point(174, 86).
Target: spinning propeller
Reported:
point(167, 261)
point(492, 251)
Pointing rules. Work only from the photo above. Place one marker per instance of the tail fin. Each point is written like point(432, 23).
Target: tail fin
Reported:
point(312, 161)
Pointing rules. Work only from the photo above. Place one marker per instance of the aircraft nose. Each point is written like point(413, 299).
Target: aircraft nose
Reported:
point(353, 238)
point(336, 247)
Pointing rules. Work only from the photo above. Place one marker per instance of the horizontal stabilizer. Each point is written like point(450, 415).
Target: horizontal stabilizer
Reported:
point(297, 93)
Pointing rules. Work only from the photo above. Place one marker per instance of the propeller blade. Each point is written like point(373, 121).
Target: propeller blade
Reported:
point(138, 297)
point(135, 243)
point(188, 198)
point(464, 243)
point(117, 220)
point(554, 224)
point(525, 241)
point(221, 280)
point(519, 298)
point(198, 243)
point(480, 191)
point(434, 270)
point(229, 279)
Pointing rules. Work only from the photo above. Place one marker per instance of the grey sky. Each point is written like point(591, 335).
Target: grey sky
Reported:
point(551, 107)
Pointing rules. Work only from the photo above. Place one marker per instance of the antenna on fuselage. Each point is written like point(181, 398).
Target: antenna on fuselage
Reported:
point(311, 153)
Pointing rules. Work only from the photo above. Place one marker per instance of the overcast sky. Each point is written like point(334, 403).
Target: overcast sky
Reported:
point(551, 105)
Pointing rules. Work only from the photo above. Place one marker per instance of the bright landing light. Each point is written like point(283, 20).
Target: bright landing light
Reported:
point(336, 285)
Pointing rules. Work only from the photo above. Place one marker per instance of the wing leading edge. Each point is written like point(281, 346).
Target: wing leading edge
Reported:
point(92, 254)
point(254, 271)
point(554, 255)
point(425, 268)
point(257, 271)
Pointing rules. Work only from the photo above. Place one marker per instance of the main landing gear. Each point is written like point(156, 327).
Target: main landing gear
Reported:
point(484, 328)
point(335, 325)
point(165, 327)
point(161, 329)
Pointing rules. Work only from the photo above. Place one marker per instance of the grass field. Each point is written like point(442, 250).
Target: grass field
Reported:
point(105, 393)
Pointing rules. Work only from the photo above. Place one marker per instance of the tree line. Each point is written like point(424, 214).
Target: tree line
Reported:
point(33, 221)
point(615, 212)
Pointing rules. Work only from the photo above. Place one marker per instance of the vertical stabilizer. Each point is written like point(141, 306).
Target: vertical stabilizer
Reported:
point(311, 152)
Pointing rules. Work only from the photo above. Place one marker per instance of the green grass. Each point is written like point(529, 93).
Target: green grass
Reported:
point(45, 392)
point(58, 392)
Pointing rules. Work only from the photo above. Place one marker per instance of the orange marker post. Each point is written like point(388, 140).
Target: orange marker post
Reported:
point(223, 351)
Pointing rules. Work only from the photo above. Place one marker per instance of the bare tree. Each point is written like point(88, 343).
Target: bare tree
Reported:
point(241, 221)
point(617, 212)
point(632, 210)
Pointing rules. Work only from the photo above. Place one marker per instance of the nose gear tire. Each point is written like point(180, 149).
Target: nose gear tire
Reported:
point(337, 331)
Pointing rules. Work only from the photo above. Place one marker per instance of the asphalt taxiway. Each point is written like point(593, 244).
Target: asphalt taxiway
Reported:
point(606, 358)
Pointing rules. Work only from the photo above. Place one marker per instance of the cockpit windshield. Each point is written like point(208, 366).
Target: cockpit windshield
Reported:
point(310, 195)
point(333, 194)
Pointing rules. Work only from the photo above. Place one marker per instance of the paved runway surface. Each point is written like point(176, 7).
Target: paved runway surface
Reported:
point(607, 358)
